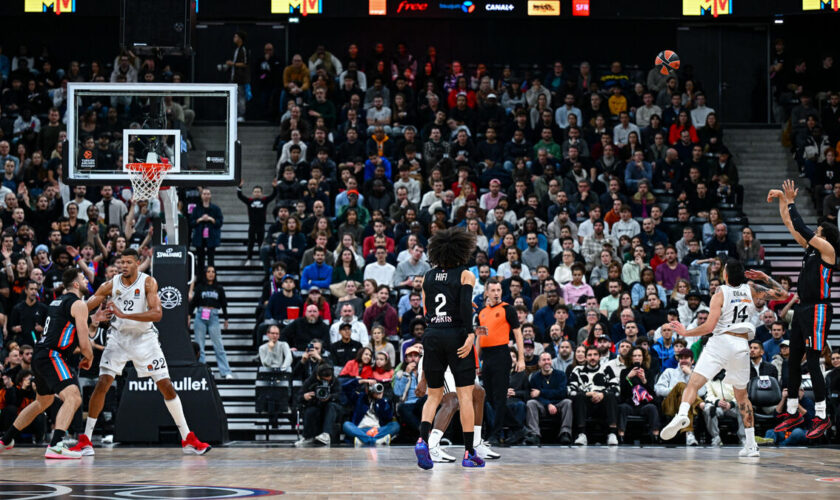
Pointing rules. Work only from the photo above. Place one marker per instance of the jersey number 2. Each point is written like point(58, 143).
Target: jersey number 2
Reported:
point(739, 315)
point(440, 300)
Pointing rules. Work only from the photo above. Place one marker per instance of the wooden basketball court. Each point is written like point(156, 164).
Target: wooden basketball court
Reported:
point(235, 472)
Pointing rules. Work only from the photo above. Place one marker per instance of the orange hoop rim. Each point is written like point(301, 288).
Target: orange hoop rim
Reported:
point(148, 167)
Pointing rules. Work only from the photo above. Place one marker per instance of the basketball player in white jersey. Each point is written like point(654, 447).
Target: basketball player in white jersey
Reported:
point(132, 300)
point(728, 349)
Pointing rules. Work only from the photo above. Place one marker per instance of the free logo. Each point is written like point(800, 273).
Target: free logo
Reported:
point(543, 7)
point(467, 7)
point(406, 6)
point(170, 297)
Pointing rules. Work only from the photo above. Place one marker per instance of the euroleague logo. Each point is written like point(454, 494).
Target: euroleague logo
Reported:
point(88, 154)
point(170, 297)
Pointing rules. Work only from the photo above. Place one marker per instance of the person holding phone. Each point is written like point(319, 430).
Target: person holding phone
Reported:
point(636, 393)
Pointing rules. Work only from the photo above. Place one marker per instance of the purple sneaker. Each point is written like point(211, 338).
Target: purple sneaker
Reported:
point(424, 459)
point(472, 460)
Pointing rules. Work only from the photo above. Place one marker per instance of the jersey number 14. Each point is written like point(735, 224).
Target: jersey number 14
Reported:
point(739, 315)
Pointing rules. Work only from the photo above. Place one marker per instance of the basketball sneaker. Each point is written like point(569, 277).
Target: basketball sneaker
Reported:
point(749, 452)
point(61, 452)
point(11, 444)
point(424, 459)
point(84, 446)
point(483, 450)
point(193, 445)
point(472, 460)
point(818, 427)
point(440, 456)
point(678, 423)
point(789, 421)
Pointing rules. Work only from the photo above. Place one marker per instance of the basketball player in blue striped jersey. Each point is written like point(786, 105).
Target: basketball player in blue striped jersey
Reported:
point(812, 316)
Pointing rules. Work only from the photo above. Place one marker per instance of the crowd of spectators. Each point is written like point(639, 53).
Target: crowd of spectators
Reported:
point(606, 201)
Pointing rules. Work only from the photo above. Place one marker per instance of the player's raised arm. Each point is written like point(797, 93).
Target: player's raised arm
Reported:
point(101, 295)
point(771, 290)
point(715, 307)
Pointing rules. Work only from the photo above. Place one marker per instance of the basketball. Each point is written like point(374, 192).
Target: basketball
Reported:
point(667, 61)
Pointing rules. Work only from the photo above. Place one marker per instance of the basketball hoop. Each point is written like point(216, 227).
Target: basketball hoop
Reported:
point(146, 179)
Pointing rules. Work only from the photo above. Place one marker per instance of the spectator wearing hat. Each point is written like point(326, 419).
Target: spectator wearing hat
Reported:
point(780, 361)
point(345, 348)
point(281, 300)
point(409, 406)
point(671, 385)
point(531, 359)
point(490, 199)
point(773, 346)
point(593, 386)
point(759, 367)
point(692, 306)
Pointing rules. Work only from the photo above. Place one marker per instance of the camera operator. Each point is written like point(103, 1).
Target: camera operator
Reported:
point(319, 400)
point(373, 421)
point(312, 357)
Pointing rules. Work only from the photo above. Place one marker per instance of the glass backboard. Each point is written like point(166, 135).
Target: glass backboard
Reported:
point(110, 125)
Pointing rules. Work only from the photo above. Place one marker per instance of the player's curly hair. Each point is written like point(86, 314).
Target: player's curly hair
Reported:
point(451, 248)
point(832, 236)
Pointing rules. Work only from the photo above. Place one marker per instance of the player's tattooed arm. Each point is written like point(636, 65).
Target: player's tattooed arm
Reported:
point(772, 292)
point(769, 290)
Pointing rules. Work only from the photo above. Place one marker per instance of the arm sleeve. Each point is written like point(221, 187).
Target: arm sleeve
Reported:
point(511, 317)
point(466, 306)
point(799, 224)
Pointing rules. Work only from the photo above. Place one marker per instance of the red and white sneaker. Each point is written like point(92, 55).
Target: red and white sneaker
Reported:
point(818, 427)
point(84, 446)
point(193, 445)
point(6, 446)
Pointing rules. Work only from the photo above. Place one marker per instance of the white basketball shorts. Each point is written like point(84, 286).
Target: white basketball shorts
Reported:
point(143, 350)
point(726, 352)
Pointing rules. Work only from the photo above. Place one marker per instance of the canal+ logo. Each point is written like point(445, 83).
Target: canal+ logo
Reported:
point(467, 7)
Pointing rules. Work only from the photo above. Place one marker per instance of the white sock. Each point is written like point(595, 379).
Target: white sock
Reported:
point(750, 434)
point(477, 435)
point(792, 405)
point(684, 407)
point(91, 423)
point(819, 408)
point(434, 438)
point(177, 412)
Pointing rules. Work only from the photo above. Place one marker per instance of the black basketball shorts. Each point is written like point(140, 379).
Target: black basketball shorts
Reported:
point(52, 372)
point(440, 351)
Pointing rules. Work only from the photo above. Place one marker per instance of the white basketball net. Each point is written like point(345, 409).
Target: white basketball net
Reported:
point(146, 179)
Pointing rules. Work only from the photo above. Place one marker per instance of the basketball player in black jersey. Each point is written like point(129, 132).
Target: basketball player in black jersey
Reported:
point(812, 316)
point(66, 330)
point(449, 338)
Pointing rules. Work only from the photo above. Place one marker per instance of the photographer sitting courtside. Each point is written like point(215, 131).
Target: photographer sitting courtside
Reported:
point(373, 421)
point(319, 401)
